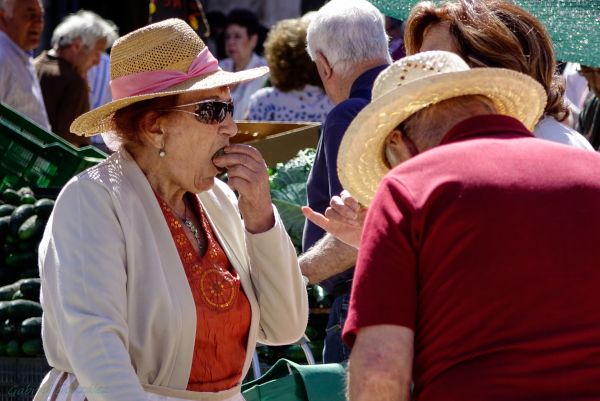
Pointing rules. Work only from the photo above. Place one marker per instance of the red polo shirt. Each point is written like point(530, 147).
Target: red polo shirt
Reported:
point(488, 247)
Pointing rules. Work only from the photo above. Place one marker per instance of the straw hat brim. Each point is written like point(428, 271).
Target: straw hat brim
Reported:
point(360, 161)
point(100, 119)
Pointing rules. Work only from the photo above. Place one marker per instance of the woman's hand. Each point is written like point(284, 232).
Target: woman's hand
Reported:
point(343, 219)
point(247, 174)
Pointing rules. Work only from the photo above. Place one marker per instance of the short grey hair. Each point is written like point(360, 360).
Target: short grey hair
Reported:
point(87, 26)
point(347, 32)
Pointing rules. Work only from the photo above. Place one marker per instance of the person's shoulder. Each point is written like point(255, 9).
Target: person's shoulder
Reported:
point(343, 113)
point(263, 94)
point(551, 129)
point(226, 64)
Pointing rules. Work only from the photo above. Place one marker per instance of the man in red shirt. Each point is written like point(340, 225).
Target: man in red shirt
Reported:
point(477, 275)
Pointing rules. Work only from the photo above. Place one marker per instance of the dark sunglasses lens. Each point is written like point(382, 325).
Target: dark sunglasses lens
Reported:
point(213, 112)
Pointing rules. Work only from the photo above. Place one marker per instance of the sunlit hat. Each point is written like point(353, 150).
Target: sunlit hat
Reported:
point(414, 83)
point(574, 25)
point(161, 59)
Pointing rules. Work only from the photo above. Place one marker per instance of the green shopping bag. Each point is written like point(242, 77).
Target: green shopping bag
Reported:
point(289, 381)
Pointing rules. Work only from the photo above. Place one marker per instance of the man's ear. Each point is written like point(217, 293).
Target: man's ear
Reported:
point(323, 67)
point(152, 131)
point(399, 148)
point(76, 43)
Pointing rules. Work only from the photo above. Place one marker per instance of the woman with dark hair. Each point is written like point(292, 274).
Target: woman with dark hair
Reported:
point(496, 33)
point(297, 93)
point(241, 39)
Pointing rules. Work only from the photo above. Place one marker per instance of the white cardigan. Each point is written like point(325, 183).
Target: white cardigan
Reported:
point(118, 309)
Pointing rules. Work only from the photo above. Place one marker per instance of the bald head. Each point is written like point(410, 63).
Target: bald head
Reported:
point(22, 21)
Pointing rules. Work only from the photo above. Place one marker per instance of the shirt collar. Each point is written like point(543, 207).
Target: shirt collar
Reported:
point(486, 125)
point(7, 41)
point(363, 85)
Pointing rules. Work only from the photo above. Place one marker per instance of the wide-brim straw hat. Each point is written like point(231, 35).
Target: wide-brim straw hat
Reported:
point(574, 25)
point(161, 59)
point(412, 84)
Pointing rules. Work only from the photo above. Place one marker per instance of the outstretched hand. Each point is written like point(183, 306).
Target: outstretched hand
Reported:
point(344, 218)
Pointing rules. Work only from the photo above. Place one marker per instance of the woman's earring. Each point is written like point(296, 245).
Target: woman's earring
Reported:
point(162, 153)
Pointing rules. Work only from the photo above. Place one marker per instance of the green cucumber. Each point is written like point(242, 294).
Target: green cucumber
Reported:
point(32, 347)
point(20, 259)
point(7, 292)
point(11, 196)
point(31, 328)
point(13, 348)
point(31, 228)
point(10, 329)
point(43, 207)
point(30, 288)
point(6, 210)
point(19, 216)
point(22, 309)
point(4, 224)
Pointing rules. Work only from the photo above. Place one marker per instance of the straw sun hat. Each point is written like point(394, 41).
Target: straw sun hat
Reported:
point(414, 83)
point(161, 59)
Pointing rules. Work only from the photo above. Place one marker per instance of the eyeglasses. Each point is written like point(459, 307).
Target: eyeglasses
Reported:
point(207, 111)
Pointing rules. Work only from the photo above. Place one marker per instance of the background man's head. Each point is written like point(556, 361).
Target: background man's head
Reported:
point(82, 37)
point(22, 21)
point(344, 34)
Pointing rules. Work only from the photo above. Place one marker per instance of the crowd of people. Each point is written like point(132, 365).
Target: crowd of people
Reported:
point(451, 208)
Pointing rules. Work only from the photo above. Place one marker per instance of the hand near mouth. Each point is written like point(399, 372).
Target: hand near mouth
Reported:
point(247, 174)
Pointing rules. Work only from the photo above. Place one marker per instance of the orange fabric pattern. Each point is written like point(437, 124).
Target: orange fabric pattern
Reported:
point(222, 309)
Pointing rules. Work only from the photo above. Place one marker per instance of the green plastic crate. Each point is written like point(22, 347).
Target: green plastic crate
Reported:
point(33, 156)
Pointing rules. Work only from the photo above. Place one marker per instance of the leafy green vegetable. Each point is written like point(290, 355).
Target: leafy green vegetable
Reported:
point(288, 190)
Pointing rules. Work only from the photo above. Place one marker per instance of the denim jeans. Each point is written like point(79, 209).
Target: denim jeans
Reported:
point(335, 351)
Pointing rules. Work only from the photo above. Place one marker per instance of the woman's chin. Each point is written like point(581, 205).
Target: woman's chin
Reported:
point(204, 184)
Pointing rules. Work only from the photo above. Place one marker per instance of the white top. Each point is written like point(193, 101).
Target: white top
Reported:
point(19, 84)
point(241, 92)
point(271, 104)
point(551, 129)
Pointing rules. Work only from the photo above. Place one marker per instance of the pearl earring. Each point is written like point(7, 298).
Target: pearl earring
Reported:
point(162, 153)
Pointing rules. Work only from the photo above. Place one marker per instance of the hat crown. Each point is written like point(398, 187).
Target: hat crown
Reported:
point(167, 45)
point(416, 67)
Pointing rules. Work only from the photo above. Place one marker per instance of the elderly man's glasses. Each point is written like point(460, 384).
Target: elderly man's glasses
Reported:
point(208, 111)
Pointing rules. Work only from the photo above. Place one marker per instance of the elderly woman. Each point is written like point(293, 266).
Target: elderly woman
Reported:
point(297, 93)
point(496, 33)
point(153, 286)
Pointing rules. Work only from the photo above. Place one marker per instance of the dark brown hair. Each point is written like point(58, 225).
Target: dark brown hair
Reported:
point(285, 51)
point(495, 33)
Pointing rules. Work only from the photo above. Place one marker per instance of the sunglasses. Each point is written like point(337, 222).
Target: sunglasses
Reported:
point(208, 111)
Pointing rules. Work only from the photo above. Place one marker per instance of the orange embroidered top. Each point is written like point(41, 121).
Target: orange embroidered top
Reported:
point(222, 309)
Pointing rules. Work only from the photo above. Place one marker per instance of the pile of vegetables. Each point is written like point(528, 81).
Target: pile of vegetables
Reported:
point(22, 222)
point(288, 191)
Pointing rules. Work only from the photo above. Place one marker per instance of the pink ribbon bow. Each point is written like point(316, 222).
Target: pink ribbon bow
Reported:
point(155, 81)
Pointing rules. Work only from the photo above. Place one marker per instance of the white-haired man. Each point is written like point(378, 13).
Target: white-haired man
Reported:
point(476, 279)
point(77, 44)
point(347, 41)
point(21, 26)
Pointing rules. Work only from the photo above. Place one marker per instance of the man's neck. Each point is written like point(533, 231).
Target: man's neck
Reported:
point(344, 83)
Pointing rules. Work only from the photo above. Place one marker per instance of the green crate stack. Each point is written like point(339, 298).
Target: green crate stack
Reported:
point(31, 155)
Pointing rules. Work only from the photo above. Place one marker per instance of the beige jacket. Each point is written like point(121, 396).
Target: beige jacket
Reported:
point(118, 309)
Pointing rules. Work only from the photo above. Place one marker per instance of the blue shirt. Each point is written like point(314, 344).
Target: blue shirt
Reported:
point(19, 85)
point(323, 181)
